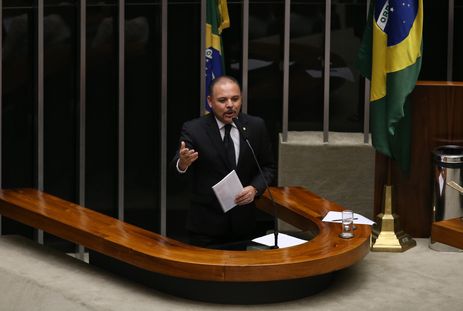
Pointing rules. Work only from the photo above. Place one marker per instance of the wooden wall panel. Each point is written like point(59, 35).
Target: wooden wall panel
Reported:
point(437, 114)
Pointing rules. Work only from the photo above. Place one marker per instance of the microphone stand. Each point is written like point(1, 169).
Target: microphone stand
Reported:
point(243, 133)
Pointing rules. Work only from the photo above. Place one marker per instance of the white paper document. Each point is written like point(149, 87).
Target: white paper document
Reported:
point(284, 240)
point(227, 189)
point(337, 217)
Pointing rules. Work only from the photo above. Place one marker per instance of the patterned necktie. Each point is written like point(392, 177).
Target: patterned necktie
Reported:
point(229, 146)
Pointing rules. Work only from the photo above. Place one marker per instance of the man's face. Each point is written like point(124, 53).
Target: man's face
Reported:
point(225, 101)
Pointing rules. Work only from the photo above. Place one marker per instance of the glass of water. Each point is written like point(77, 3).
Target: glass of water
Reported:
point(347, 224)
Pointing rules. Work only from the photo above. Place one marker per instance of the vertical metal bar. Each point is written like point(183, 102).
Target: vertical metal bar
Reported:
point(121, 98)
point(451, 29)
point(366, 114)
point(82, 104)
point(202, 60)
point(164, 12)
point(244, 61)
point(1, 102)
point(326, 73)
point(286, 68)
point(366, 102)
point(40, 103)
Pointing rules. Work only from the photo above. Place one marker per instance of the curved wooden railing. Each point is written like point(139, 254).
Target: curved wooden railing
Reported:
point(147, 250)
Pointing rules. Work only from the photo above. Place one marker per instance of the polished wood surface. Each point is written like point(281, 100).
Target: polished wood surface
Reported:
point(449, 232)
point(437, 116)
point(150, 251)
point(439, 83)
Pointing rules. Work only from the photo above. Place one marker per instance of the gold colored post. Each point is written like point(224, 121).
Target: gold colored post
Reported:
point(387, 235)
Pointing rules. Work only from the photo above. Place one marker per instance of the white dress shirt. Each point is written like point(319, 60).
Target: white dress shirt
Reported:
point(234, 134)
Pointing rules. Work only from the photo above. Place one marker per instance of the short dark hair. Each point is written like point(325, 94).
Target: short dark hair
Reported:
point(220, 79)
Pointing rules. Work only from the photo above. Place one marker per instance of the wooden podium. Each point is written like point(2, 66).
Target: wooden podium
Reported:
point(255, 276)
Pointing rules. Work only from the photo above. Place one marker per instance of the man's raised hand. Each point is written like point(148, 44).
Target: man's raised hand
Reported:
point(186, 156)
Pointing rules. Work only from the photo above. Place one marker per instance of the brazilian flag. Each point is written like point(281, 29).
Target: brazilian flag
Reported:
point(390, 57)
point(217, 19)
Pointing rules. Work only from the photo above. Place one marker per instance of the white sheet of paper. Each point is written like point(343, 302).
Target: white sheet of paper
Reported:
point(227, 189)
point(337, 217)
point(284, 240)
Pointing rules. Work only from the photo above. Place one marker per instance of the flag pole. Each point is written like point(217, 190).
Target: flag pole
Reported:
point(387, 236)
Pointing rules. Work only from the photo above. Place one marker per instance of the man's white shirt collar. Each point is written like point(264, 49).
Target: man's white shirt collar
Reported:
point(220, 124)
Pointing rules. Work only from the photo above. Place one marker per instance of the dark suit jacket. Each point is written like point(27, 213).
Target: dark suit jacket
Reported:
point(205, 214)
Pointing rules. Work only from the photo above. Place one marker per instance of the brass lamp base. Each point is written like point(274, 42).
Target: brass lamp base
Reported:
point(387, 235)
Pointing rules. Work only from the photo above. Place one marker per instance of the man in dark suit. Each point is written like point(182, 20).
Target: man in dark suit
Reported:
point(204, 156)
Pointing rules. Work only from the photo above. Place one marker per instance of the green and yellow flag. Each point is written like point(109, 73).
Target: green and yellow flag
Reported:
point(217, 19)
point(390, 57)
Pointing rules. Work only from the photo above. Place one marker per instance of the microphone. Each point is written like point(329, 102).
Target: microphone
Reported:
point(244, 134)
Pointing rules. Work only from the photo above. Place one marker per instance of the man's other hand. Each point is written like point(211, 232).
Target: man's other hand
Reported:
point(246, 196)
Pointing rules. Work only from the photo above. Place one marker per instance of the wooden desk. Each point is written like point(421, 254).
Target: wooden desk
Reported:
point(154, 253)
point(448, 231)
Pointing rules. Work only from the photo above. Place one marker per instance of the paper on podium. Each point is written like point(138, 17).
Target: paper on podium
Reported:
point(337, 217)
point(284, 240)
point(227, 189)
